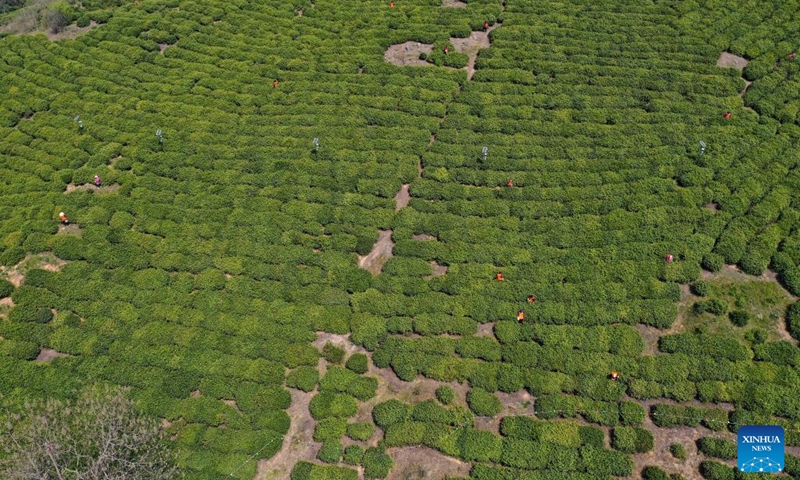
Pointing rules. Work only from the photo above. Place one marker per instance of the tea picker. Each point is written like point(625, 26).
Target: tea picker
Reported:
point(531, 299)
point(669, 258)
point(614, 375)
point(485, 26)
point(521, 316)
point(728, 115)
point(63, 218)
point(276, 84)
point(97, 181)
point(499, 277)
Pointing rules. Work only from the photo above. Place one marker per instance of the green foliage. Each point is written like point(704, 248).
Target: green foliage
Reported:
point(654, 473)
point(711, 470)
point(360, 431)
point(390, 412)
point(793, 320)
point(632, 440)
point(353, 454)
point(329, 404)
point(6, 288)
point(309, 471)
point(377, 463)
point(700, 288)
point(303, 378)
point(330, 452)
point(330, 429)
point(678, 451)
point(739, 317)
point(713, 262)
point(332, 353)
point(714, 306)
point(480, 446)
point(717, 447)
point(631, 413)
point(483, 403)
point(445, 394)
point(358, 363)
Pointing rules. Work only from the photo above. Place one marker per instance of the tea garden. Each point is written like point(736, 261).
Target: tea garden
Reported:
point(211, 257)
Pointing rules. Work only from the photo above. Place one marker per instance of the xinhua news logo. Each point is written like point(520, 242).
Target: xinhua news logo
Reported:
point(760, 448)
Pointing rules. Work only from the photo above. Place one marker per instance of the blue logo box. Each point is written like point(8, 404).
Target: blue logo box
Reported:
point(760, 448)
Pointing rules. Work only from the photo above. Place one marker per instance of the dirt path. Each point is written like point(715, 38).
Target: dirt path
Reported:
point(91, 186)
point(380, 254)
point(298, 443)
point(453, 4)
point(417, 463)
point(472, 45)
point(402, 198)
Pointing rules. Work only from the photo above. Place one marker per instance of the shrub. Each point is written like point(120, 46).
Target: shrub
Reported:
point(6, 288)
point(739, 317)
point(328, 404)
point(716, 471)
point(21, 313)
point(376, 463)
point(713, 306)
point(330, 452)
point(632, 440)
point(431, 412)
point(390, 412)
point(678, 451)
point(303, 378)
point(483, 403)
point(713, 262)
point(592, 436)
point(309, 471)
point(480, 446)
point(700, 288)
point(654, 473)
point(358, 363)
point(631, 413)
point(353, 454)
point(332, 353)
point(330, 429)
point(793, 320)
point(360, 431)
point(445, 394)
point(717, 447)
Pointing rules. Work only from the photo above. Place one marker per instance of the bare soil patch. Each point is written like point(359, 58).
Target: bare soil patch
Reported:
point(45, 261)
point(417, 463)
point(71, 229)
point(438, 270)
point(713, 206)
point(729, 60)
point(424, 237)
point(471, 46)
point(402, 198)
point(91, 186)
point(338, 340)
point(453, 4)
point(298, 443)
point(162, 47)
point(72, 31)
point(485, 330)
point(380, 254)
point(232, 404)
point(48, 354)
point(661, 457)
point(407, 54)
